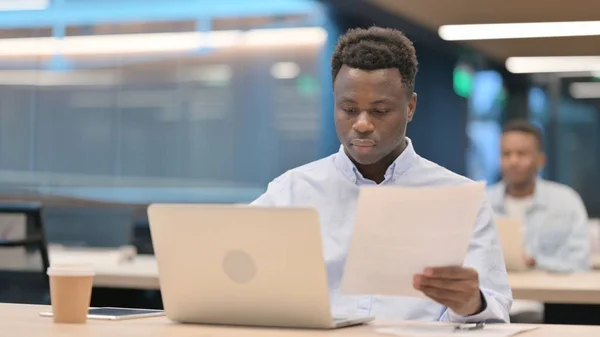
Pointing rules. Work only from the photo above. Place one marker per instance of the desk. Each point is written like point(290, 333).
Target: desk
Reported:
point(140, 273)
point(583, 288)
point(568, 298)
point(125, 283)
point(131, 283)
point(24, 321)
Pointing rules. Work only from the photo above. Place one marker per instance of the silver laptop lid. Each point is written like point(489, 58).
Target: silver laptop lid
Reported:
point(223, 264)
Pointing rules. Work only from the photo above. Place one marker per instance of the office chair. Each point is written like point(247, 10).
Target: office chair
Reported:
point(25, 286)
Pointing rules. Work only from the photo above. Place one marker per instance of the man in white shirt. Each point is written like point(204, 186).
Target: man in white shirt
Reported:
point(373, 74)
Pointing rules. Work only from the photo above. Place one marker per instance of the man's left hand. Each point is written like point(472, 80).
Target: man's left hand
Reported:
point(455, 287)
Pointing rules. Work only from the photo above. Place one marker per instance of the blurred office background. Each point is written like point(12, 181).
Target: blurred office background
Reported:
point(106, 105)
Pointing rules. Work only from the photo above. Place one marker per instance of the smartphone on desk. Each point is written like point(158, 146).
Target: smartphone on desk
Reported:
point(117, 314)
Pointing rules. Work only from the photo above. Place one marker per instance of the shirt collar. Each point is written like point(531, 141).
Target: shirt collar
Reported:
point(404, 162)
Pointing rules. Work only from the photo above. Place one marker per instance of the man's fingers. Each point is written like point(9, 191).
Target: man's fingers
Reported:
point(447, 298)
point(454, 273)
point(455, 293)
point(462, 286)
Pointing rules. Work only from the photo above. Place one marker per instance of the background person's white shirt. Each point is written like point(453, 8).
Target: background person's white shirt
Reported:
point(517, 207)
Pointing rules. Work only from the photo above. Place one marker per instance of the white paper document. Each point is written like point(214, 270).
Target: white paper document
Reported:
point(438, 329)
point(401, 231)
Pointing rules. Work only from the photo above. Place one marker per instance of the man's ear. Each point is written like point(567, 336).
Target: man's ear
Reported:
point(541, 161)
point(412, 106)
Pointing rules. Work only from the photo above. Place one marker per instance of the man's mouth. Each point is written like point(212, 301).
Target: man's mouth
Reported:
point(362, 143)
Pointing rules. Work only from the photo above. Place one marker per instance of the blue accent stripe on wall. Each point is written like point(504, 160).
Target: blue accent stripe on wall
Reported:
point(131, 10)
point(328, 141)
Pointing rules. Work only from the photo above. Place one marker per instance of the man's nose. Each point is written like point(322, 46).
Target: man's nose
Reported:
point(363, 123)
point(512, 160)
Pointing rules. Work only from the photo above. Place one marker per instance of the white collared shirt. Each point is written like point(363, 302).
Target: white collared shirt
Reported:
point(331, 186)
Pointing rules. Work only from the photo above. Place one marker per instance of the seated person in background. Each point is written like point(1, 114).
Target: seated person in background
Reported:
point(554, 217)
point(373, 74)
point(555, 220)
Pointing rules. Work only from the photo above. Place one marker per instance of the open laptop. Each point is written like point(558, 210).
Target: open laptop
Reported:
point(511, 239)
point(241, 265)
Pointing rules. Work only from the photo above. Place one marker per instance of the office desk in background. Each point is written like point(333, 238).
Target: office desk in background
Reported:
point(568, 298)
point(580, 288)
point(24, 321)
point(583, 288)
point(118, 282)
point(141, 272)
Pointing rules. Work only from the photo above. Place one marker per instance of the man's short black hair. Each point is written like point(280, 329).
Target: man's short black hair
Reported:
point(522, 125)
point(376, 48)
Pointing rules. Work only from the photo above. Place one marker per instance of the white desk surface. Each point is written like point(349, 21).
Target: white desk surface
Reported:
point(18, 320)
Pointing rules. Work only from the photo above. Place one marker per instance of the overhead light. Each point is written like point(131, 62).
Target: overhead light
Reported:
point(160, 42)
point(285, 70)
point(23, 5)
point(585, 90)
point(553, 64)
point(117, 44)
point(282, 37)
point(518, 30)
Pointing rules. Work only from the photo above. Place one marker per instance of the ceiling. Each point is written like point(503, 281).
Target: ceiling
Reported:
point(434, 13)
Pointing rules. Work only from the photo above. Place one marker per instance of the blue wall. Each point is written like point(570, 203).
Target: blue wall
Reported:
point(438, 128)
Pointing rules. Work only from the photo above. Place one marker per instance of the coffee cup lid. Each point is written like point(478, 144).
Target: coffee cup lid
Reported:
point(71, 269)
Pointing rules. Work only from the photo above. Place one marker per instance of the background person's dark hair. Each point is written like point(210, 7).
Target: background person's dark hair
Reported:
point(376, 48)
point(521, 125)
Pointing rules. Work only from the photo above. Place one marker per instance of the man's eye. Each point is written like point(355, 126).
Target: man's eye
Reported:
point(350, 110)
point(380, 111)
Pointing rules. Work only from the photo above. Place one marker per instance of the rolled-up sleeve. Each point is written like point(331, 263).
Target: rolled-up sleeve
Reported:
point(485, 256)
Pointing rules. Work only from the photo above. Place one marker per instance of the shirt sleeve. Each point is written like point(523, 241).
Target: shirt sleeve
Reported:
point(278, 193)
point(574, 253)
point(485, 256)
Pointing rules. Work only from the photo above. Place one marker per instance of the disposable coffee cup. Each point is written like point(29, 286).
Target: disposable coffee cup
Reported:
point(70, 291)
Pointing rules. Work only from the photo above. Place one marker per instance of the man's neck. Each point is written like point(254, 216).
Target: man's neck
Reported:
point(521, 190)
point(376, 172)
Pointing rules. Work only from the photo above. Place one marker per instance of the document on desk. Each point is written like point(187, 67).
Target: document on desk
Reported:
point(448, 329)
point(400, 231)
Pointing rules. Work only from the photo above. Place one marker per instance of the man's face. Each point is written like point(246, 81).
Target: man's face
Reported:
point(521, 158)
point(372, 109)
